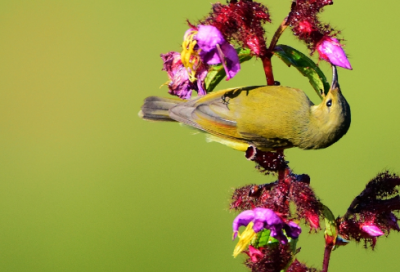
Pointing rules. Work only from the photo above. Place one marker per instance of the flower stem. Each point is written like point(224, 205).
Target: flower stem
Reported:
point(268, 69)
point(278, 34)
point(266, 59)
point(327, 256)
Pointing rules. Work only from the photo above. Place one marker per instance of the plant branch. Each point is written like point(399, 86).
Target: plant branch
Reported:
point(285, 23)
point(327, 256)
point(268, 69)
point(278, 34)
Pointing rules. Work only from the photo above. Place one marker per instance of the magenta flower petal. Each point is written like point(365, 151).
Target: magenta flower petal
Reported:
point(232, 59)
point(201, 76)
point(172, 61)
point(330, 49)
point(268, 216)
point(372, 230)
point(292, 230)
point(210, 58)
point(179, 84)
point(208, 37)
point(243, 219)
point(266, 219)
point(258, 226)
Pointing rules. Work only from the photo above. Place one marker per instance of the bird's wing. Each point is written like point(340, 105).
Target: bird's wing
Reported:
point(215, 114)
point(212, 116)
point(266, 143)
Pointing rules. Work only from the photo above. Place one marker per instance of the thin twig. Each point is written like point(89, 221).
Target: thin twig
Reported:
point(278, 34)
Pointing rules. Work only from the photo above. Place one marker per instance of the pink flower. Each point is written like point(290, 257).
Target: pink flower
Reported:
point(331, 50)
point(371, 230)
point(254, 254)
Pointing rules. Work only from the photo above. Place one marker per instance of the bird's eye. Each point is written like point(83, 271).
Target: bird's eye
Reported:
point(329, 103)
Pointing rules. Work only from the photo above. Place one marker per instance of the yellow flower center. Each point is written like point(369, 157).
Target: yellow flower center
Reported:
point(244, 239)
point(190, 58)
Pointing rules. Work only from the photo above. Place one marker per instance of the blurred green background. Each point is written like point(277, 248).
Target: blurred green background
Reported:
point(85, 185)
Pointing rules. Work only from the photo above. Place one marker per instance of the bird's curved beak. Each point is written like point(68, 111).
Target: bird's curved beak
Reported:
point(335, 79)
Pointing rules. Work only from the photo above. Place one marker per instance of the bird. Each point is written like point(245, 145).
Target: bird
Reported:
point(269, 118)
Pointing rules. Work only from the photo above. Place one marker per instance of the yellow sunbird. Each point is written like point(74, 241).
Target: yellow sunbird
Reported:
point(267, 117)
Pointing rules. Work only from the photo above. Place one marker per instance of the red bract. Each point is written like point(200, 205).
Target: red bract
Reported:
point(242, 199)
point(266, 161)
point(278, 195)
point(308, 207)
point(372, 209)
point(305, 23)
point(241, 22)
point(296, 266)
point(270, 259)
point(254, 254)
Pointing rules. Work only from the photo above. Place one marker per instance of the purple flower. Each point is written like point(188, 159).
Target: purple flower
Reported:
point(391, 220)
point(266, 219)
point(215, 50)
point(179, 82)
point(330, 49)
point(207, 44)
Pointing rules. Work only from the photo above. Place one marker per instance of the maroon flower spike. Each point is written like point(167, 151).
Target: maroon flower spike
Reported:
point(241, 22)
point(243, 198)
point(305, 24)
point(266, 161)
point(371, 214)
point(277, 196)
point(308, 207)
point(269, 259)
point(296, 266)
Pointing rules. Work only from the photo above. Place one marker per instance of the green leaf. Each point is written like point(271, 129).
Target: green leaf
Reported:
point(330, 223)
point(262, 238)
point(306, 67)
point(217, 72)
point(293, 244)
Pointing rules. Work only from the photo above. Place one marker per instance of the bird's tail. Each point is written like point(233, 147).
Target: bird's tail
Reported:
point(157, 108)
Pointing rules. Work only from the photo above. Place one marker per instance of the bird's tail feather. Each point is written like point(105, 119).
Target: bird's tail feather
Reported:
point(157, 108)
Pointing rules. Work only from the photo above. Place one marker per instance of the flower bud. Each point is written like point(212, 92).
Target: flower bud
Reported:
point(372, 230)
point(331, 50)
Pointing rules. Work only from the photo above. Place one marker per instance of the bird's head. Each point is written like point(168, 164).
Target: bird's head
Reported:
point(333, 114)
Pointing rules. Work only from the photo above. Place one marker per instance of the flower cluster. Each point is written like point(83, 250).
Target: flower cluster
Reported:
point(241, 22)
point(371, 214)
point(210, 43)
point(266, 207)
point(277, 195)
point(202, 46)
point(259, 219)
point(263, 256)
point(318, 36)
point(296, 266)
